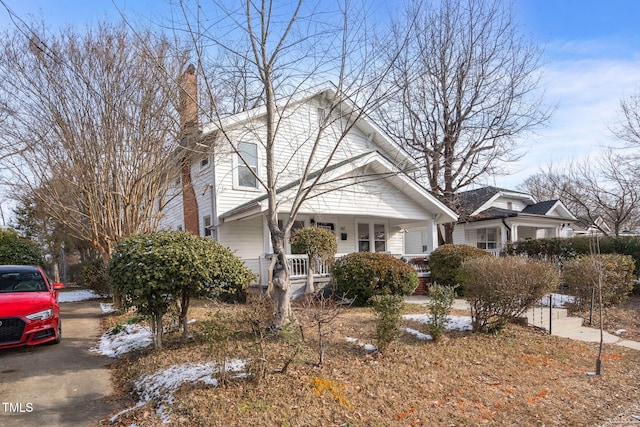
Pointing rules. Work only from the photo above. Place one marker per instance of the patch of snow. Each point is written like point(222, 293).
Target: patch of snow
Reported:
point(620, 331)
point(78, 295)
point(161, 386)
point(418, 334)
point(557, 300)
point(367, 347)
point(131, 337)
point(107, 308)
point(457, 323)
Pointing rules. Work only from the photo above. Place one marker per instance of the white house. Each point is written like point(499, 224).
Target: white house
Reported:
point(490, 217)
point(365, 197)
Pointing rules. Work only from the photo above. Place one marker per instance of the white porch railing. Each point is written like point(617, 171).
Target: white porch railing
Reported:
point(494, 252)
point(299, 266)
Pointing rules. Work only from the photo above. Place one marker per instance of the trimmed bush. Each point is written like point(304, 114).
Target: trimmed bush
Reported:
point(439, 305)
point(387, 309)
point(94, 276)
point(553, 249)
point(446, 260)
point(17, 250)
point(501, 289)
point(154, 272)
point(581, 275)
point(361, 275)
point(559, 249)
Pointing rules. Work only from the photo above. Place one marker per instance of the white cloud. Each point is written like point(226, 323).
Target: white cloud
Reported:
point(587, 94)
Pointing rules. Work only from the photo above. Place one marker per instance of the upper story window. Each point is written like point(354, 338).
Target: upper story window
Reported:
point(245, 176)
point(204, 163)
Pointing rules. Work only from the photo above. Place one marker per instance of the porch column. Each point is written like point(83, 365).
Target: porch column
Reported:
point(432, 236)
point(268, 249)
point(503, 235)
point(514, 233)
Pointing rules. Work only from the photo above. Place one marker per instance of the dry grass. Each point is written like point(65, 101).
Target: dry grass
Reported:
point(519, 377)
point(625, 317)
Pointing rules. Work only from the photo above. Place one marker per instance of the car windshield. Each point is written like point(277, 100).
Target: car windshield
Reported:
point(23, 281)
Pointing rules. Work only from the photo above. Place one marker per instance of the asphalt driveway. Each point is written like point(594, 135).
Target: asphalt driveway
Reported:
point(58, 385)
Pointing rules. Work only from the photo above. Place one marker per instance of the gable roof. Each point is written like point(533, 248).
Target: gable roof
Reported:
point(477, 205)
point(472, 202)
point(327, 91)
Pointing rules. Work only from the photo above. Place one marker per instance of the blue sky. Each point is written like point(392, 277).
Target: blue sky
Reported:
point(592, 61)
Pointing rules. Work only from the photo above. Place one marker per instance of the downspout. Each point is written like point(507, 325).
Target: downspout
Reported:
point(214, 201)
point(508, 230)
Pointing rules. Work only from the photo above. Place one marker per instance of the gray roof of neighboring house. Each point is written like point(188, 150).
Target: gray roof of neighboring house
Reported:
point(541, 208)
point(470, 201)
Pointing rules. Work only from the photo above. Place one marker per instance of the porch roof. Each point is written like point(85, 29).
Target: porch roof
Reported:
point(385, 171)
point(498, 214)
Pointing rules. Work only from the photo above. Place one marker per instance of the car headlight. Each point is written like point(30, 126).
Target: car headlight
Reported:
point(41, 315)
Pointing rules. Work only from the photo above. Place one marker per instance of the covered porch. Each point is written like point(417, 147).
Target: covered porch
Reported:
point(494, 235)
point(299, 268)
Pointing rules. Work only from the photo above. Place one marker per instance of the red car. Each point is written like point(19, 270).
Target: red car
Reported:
point(29, 310)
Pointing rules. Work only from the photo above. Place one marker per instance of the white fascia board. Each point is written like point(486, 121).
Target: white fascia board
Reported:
point(565, 212)
point(506, 194)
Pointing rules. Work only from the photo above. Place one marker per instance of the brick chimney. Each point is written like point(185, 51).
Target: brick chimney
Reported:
point(189, 98)
point(188, 112)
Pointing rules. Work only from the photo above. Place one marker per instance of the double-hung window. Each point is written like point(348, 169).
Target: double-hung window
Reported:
point(487, 238)
point(372, 237)
point(247, 168)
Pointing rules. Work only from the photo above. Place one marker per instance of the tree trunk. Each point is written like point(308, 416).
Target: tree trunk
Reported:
point(280, 288)
point(184, 308)
point(448, 232)
point(156, 331)
point(309, 289)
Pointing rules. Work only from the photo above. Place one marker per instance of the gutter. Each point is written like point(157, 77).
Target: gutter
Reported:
point(508, 230)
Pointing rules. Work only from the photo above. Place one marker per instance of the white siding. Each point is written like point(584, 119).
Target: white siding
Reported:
point(413, 241)
point(503, 203)
point(375, 201)
point(171, 208)
point(377, 198)
point(245, 237)
point(296, 135)
point(459, 235)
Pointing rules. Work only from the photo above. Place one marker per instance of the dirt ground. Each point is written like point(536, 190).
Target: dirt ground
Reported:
point(520, 376)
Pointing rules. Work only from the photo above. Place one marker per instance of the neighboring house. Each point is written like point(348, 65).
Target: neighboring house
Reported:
point(367, 202)
point(586, 227)
point(491, 217)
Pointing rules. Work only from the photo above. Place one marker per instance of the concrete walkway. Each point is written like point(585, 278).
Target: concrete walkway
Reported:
point(572, 330)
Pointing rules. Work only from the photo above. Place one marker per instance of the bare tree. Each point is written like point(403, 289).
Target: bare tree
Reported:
point(468, 89)
point(91, 126)
point(272, 53)
point(602, 190)
point(628, 127)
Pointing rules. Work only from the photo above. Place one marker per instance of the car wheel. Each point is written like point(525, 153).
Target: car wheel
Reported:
point(59, 337)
